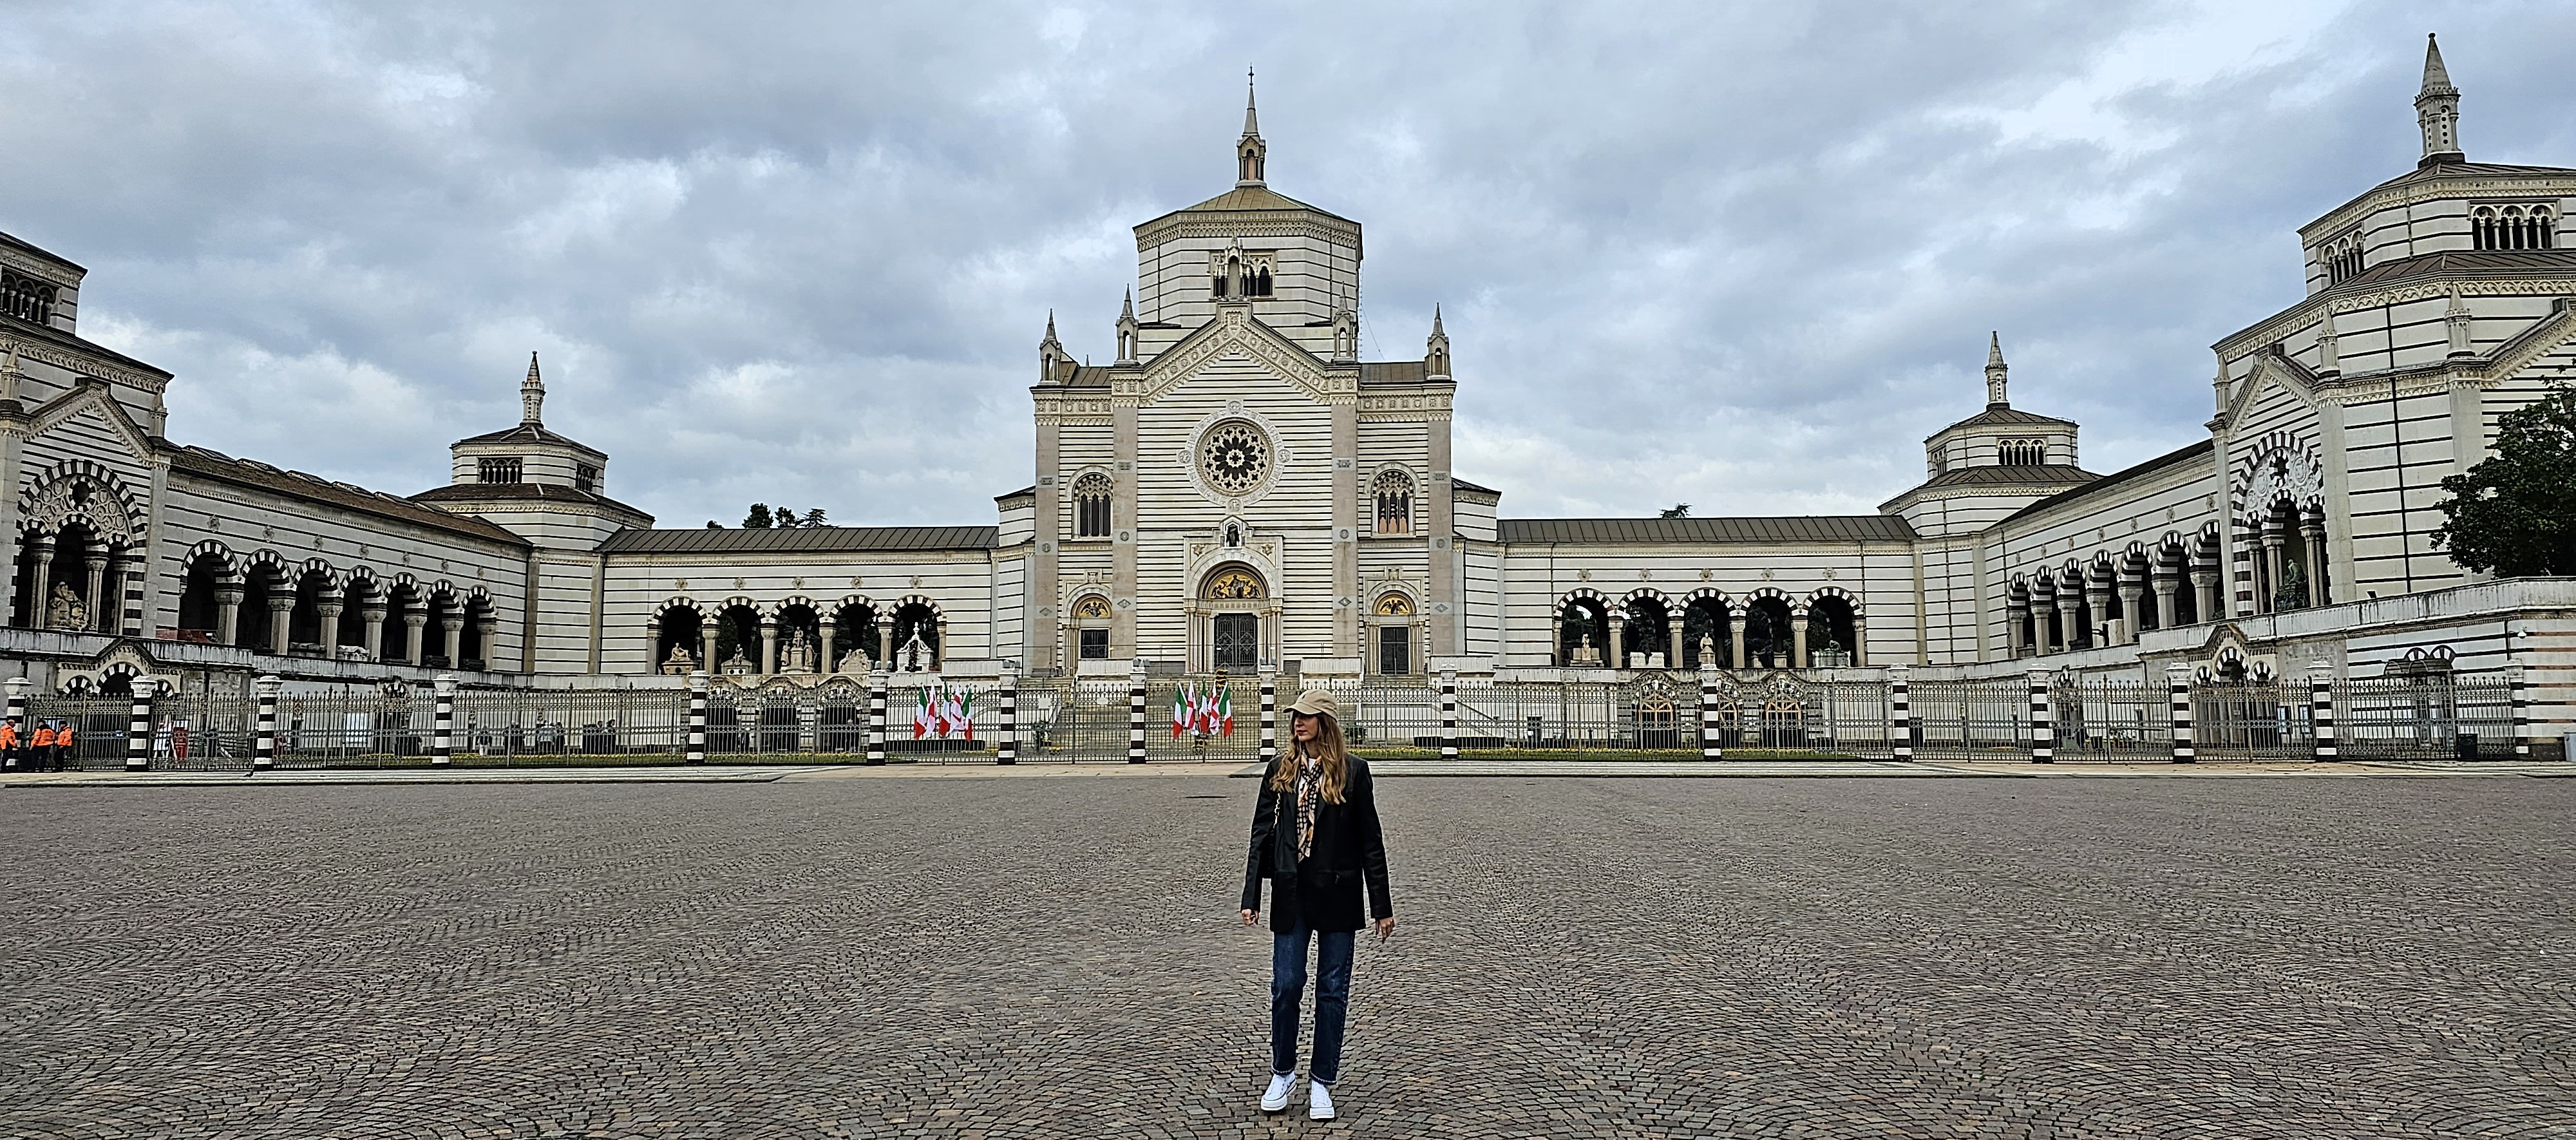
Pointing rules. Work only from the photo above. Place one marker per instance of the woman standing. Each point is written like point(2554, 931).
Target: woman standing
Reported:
point(1315, 837)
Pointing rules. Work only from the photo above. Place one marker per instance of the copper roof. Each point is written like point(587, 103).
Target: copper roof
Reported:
point(531, 433)
point(1395, 372)
point(2021, 474)
point(1784, 529)
point(316, 489)
point(801, 540)
point(546, 492)
point(1994, 416)
point(1249, 198)
point(2480, 262)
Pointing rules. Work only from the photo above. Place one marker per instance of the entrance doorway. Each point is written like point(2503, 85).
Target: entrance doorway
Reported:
point(1395, 649)
point(1238, 642)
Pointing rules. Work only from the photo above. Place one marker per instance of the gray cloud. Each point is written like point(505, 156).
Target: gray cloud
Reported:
point(1740, 255)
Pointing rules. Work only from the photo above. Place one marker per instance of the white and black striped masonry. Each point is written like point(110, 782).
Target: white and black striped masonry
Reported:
point(1900, 712)
point(697, 749)
point(2043, 720)
point(876, 716)
point(2521, 686)
point(1007, 751)
point(1710, 738)
point(2178, 691)
point(2321, 714)
point(1269, 721)
point(1448, 714)
point(263, 748)
point(17, 688)
point(442, 732)
point(1136, 713)
point(138, 727)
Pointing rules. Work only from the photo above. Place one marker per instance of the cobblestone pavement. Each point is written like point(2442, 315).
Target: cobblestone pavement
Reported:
point(1021, 958)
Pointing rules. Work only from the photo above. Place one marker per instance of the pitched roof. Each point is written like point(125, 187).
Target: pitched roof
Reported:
point(2491, 262)
point(30, 330)
point(1394, 372)
point(2023, 475)
point(1785, 529)
point(22, 245)
point(1250, 198)
point(529, 492)
point(2000, 417)
point(2454, 169)
point(2119, 478)
point(531, 433)
point(1464, 485)
point(801, 540)
point(349, 496)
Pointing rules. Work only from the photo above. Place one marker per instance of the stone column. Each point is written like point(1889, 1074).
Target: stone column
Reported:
point(885, 643)
point(453, 629)
point(371, 618)
point(2097, 601)
point(1798, 637)
point(228, 600)
point(2016, 611)
point(1735, 627)
point(768, 644)
point(485, 629)
point(831, 627)
point(2043, 625)
point(416, 623)
point(327, 606)
point(707, 645)
point(1618, 639)
point(2133, 598)
point(1672, 639)
point(40, 591)
point(2204, 585)
point(2168, 611)
point(2312, 541)
point(281, 615)
point(94, 589)
point(2269, 576)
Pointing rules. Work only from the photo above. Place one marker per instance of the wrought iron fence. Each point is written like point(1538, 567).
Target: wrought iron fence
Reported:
point(2252, 720)
point(2431, 717)
point(98, 732)
point(352, 729)
point(2113, 720)
point(1971, 720)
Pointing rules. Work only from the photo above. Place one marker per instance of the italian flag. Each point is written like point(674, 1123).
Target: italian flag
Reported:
point(925, 716)
point(961, 714)
point(1183, 702)
point(1225, 712)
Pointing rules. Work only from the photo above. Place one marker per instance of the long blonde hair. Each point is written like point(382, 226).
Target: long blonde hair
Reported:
point(1327, 747)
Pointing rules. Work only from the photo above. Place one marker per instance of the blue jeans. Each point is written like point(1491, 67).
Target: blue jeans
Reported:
point(1332, 999)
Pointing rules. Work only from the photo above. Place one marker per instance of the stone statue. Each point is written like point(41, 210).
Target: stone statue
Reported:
point(857, 663)
point(916, 653)
point(66, 610)
point(738, 665)
point(1585, 654)
point(680, 662)
point(1708, 652)
point(798, 656)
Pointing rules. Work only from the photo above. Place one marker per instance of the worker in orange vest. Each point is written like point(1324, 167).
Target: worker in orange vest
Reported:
point(43, 747)
point(8, 744)
point(63, 746)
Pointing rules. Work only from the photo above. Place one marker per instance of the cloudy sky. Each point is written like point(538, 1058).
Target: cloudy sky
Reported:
point(1739, 255)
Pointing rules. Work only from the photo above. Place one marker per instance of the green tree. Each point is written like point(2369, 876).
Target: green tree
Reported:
point(786, 518)
point(2510, 514)
point(813, 518)
point(758, 519)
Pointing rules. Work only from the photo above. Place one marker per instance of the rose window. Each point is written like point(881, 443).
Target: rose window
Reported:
point(1235, 457)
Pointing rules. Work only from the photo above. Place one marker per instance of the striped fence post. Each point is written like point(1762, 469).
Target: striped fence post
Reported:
point(1448, 714)
point(2321, 711)
point(697, 745)
point(2043, 719)
point(2521, 685)
point(1900, 712)
point(17, 688)
point(1711, 737)
point(1269, 721)
point(263, 741)
point(1136, 712)
point(138, 728)
point(2178, 690)
point(876, 716)
point(132, 625)
point(1007, 750)
point(442, 730)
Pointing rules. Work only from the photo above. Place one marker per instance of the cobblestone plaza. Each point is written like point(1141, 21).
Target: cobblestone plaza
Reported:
point(963, 957)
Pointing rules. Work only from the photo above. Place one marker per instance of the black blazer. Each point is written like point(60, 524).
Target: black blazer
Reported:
point(1349, 848)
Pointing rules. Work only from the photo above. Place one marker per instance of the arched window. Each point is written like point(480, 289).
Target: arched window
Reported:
point(2514, 227)
point(1091, 506)
point(2343, 259)
point(1393, 491)
point(1260, 282)
point(26, 298)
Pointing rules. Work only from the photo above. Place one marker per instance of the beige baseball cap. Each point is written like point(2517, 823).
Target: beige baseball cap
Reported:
point(1317, 702)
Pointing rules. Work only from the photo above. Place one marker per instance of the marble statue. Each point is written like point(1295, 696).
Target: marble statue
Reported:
point(680, 662)
point(738, 665)
point(916, 653)
point(857, 663)
point(1585, 654)
point(66, 610)
point(1708, 652)
point(798, 654)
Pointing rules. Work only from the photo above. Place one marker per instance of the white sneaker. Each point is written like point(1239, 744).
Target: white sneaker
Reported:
point(1276, 1097)
point(1319, 1103)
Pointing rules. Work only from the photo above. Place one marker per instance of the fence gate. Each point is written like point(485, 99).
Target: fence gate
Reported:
point(1972, 720)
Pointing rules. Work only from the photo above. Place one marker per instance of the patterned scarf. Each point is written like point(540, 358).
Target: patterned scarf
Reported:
point(1309, 780)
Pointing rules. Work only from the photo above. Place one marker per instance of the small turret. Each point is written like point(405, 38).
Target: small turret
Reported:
point(1435, 357)
point(1127, 329)
point(532, 397)
point(1052, 359)
point(1996, 372)
point(1249, 151)
point(2437, 109)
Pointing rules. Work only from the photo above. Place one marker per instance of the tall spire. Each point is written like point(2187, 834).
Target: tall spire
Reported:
point(1995, 371)
point(1051, 355)
point(2437, 109)
point(1127, 327)
point(1249, 151)
point(532, 397)
point(1435, 355)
